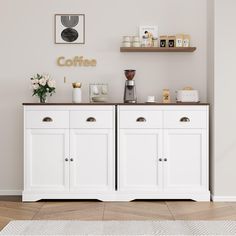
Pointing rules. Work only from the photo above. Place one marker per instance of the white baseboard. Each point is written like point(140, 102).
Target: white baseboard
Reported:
point(223, 198)
point(10, 192)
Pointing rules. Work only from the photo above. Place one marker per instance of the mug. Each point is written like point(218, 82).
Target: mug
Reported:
point(126, 44)
point(136, 44)
point(136, 39)
point(151, 99)
point(126, 39)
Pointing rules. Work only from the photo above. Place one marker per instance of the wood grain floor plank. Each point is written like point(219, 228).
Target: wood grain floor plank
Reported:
point(71, 211)
point(201, 211)
point(137, 211)
point(16, 210)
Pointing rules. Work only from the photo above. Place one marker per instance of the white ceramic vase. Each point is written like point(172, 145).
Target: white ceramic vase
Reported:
point(77, 95)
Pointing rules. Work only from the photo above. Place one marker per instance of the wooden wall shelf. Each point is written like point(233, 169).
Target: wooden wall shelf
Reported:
point(155, 49)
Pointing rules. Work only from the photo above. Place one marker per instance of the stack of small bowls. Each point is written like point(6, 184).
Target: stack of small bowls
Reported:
point(131, 41)
point(136, 42)
point(127, 42)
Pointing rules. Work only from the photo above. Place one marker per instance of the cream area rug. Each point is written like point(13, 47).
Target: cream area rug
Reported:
point(119, 228)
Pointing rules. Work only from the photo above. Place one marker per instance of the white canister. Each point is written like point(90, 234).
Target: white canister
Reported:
point(179, 40)
point(145, 41)
point(126, 44)
point(77, 95)
point(126, 39)
point(155, 42)
point(136, 39)
point(186, 41)
point(136, 44)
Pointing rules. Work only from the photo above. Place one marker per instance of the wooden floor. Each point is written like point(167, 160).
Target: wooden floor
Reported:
point(11, 208)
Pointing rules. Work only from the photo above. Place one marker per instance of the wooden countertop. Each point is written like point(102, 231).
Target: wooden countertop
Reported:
point(121, 104)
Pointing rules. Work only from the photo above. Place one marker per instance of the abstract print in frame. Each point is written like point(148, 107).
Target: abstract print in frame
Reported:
point(69, 28)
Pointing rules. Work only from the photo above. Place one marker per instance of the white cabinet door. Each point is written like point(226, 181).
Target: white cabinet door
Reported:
point(92, 165)
point(46, 153)
point(186, 159)
point(139, 167)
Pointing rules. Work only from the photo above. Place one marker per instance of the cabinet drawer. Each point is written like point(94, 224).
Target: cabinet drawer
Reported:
point(47, 119)
point(140, 119)
point(185, 119)
point(91, 119)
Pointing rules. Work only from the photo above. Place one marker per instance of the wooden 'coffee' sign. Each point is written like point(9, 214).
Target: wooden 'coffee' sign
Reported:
point(76, 61)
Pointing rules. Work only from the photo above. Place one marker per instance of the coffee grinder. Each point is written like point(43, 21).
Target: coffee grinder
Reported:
point(130, 90)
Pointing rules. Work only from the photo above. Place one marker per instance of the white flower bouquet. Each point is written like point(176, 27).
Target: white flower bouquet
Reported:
point(43, 85)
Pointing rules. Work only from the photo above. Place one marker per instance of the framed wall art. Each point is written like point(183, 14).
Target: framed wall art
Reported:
point(69, 28)
point(148, 31)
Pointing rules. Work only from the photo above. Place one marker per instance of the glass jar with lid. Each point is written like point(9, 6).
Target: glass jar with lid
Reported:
point(145, 41)
point(155, 42)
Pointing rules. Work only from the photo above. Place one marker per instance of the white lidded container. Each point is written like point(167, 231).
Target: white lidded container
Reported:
point(77, 93)
point(188, 96)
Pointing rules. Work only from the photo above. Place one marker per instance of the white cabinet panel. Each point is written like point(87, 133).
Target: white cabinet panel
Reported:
point(186, 159)
point(46, 168)
point(139, 166)
point(92, 168)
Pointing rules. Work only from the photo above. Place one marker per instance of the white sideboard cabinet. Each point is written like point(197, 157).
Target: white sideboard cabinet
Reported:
point(69, 152)
point(115, 152)
point(163, 152)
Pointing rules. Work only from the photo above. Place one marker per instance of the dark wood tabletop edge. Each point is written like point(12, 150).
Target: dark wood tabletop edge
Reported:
point(120, 104)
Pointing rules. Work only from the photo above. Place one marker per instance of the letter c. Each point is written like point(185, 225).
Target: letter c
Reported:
point(59, 61)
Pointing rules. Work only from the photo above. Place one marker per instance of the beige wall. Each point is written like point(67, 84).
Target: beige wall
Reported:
point(26, 47)
point(224, 148)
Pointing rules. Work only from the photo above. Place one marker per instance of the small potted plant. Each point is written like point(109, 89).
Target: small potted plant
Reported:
point(43, 86)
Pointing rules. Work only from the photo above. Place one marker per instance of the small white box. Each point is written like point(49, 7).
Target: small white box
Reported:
point(188, 96)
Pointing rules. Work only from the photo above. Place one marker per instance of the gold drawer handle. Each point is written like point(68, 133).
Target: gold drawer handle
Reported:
point(91, 119)
point(47, 119)
point(141, 119)
point(184, 119)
